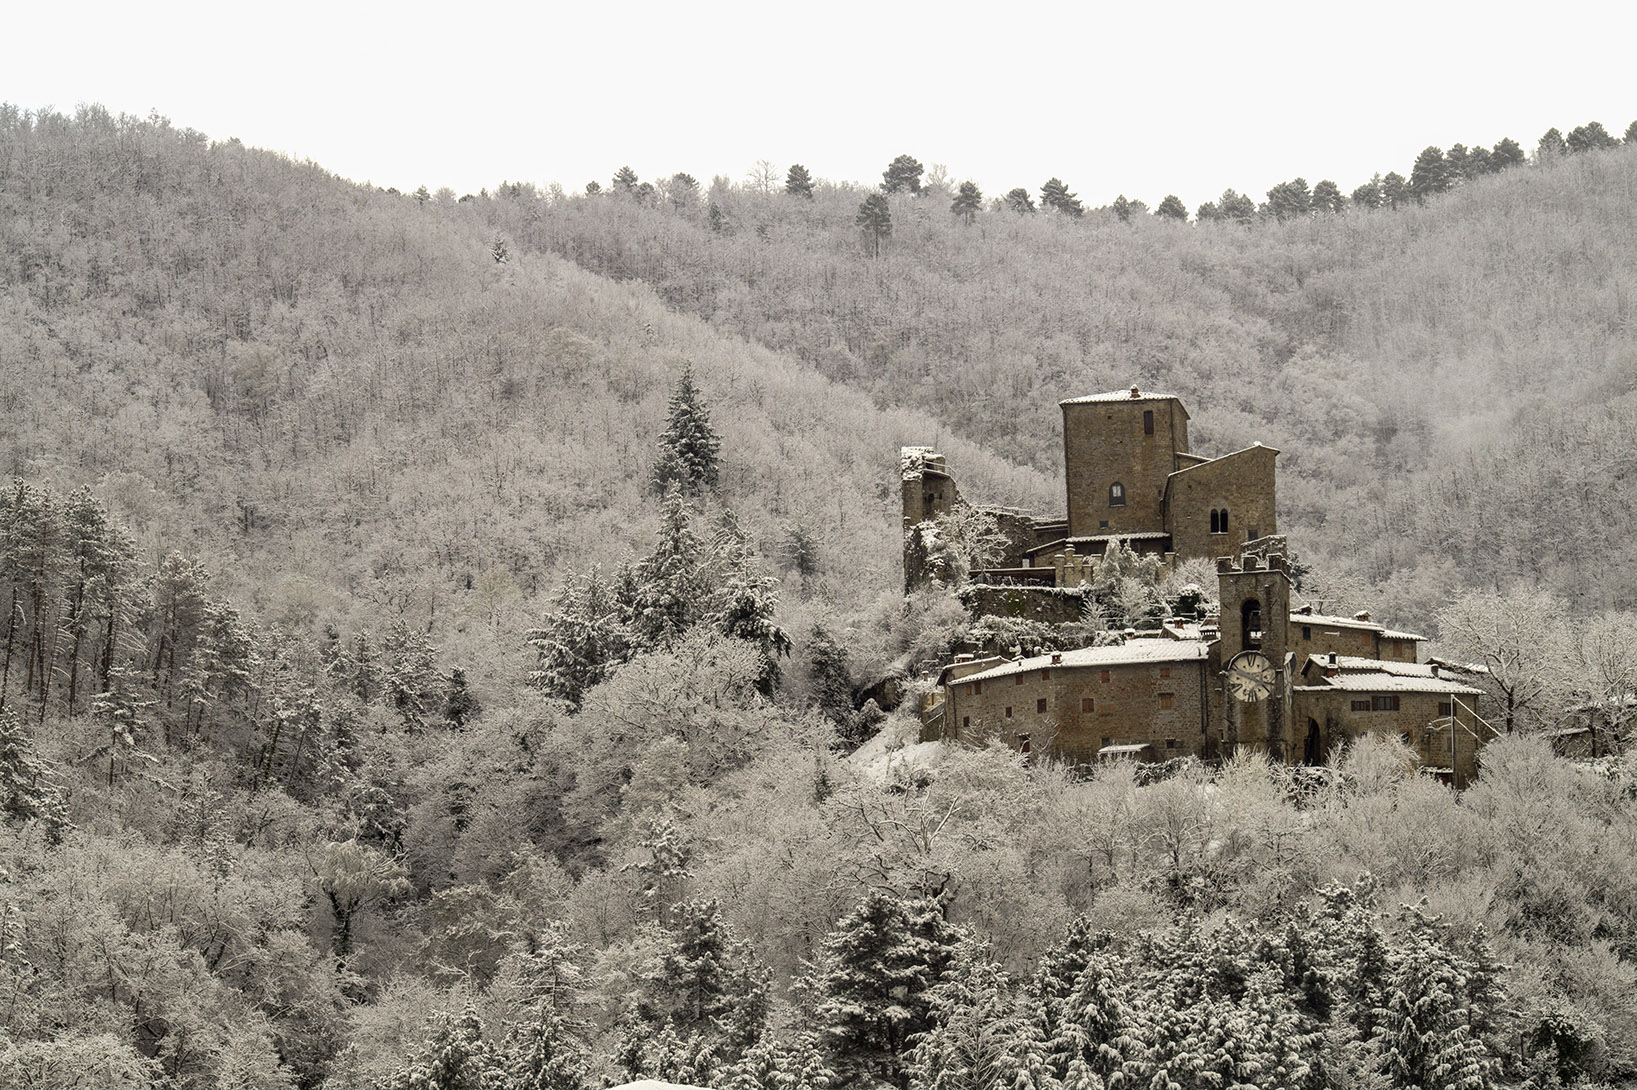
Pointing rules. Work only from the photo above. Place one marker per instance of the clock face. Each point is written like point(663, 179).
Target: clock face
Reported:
point(1250, 676)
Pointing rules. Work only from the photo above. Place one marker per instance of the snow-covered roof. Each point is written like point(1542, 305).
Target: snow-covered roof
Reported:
point(1335, 622)
point(1118, 395)
point(1394, 634)
point(1129, 653)
point(1353, 664)
point(1382, 682)
point(1122, 750)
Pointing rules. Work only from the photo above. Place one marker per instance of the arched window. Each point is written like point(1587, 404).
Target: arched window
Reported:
point(1222, 519)
point(1216, 521)
point(1116, 494)
point(1250, 625)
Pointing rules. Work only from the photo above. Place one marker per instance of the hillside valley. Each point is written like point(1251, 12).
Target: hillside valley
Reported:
point(370, 719)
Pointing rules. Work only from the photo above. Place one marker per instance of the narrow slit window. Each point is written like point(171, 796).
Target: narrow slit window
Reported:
point(1116, 494)
point(1148, 422)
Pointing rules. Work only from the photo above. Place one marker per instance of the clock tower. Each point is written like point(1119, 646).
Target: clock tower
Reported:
point(1256, 664)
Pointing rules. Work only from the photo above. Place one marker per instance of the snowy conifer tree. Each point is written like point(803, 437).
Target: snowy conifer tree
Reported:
point(581, 640)
point(1423, 1032)
point(874, 975)
point(688, 448)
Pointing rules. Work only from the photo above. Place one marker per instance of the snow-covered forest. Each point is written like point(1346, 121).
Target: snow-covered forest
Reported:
point(443, 635)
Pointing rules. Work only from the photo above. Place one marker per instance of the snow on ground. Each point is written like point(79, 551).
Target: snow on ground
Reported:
point(655, 1084)
point(895, 749)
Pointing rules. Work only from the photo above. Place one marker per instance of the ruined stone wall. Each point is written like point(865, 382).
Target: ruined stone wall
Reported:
point(1048, 604)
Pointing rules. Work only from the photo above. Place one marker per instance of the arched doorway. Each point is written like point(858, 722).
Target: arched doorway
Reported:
point(1312, 754)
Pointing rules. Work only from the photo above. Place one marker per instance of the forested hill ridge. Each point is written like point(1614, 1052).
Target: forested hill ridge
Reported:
point(369, 721)
point(1449, 379)
point(351, 412)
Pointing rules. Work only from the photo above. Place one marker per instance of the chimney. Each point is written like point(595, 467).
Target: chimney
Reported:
point(1134, 392)
point(1331, 669)
point(1057, 658)
point(1306, 611)
point(1362, 615)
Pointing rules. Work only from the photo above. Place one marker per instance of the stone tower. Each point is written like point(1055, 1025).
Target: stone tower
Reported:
point(928, 492)
point(1255, 593)
point(1118, 450)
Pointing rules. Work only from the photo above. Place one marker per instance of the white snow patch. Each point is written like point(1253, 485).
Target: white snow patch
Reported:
point(894, 750)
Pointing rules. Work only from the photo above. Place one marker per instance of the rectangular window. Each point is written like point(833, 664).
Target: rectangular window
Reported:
point(1087, 704)
point(1106, 675)
point(1023, 743)
point(1172, 743)
point(977, 687)
point(1165, 671)
point(966, 722)
point(1040, 706)
point(1020, 679)
point(1045, 675)
point(1387, 703)
point(1361, 705)
point(1108, 742)
point(1307, 632)
point(1445, 709)
point(1008, 711)
point(1148, 422)
point(1167, 699)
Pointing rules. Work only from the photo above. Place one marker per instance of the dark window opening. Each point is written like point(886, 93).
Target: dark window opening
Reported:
point(1020, 679)
point(1087, 704)
point(1384, 703)
point(1250, 535)
point(1106, 675)
point(1445, 709)
point(977, 687)
point(1116, 494)
point(1219, 520)
point(966, 722)
point(1148, 422)
point(1307, 632)
point(1008, 711)
point(1102, 525)
point(1250, 625)
point(1407, 738)
point(1023, 741)
point(1040, 706)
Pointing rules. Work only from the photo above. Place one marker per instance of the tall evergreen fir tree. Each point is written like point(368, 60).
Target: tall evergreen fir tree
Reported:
point(583, 637)
point(689, 446)
point(873, 983)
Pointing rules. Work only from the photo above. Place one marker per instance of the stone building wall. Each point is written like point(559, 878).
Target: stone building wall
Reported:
point(1333, 712)
point(1242, 484)
point(1104, 442)
point(1073, 712)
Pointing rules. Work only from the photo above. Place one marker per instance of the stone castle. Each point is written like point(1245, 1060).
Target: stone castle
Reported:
point(1262, 673)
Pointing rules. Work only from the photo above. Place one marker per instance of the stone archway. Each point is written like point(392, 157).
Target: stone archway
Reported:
point(1312, 750)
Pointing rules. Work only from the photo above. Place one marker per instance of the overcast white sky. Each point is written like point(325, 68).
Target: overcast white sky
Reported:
point(1133, 98)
